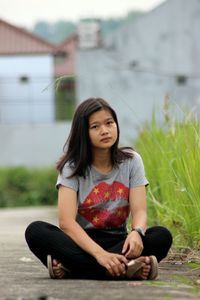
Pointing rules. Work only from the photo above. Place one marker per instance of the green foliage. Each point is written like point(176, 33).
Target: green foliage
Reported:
point(132, 15)
point(110, 24)
point(65, 98)
point(54, 32)
point(20, 186)
point(57, 32)
point(172, 159)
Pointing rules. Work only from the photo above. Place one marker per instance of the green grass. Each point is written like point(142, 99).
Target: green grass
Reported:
point(172, 162)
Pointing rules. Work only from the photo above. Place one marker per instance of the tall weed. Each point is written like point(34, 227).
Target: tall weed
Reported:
point(172, 161)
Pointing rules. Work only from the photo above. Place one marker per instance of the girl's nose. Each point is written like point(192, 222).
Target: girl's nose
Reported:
point(104, 129)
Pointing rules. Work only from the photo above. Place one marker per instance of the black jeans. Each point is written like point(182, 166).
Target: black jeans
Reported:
point(44, 238)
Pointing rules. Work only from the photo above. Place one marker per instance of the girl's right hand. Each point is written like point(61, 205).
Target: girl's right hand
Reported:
point(114, 263)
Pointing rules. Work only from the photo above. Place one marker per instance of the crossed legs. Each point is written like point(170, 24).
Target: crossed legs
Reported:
point(44, 239)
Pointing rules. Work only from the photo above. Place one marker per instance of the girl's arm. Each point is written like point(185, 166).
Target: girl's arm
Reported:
point(138, 207)
point(67, 206)
point(133, 245)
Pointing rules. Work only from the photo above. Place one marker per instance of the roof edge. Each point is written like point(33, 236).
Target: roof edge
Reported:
point(29, 34)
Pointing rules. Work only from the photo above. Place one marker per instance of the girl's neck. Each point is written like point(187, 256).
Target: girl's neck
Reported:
point(102, 161)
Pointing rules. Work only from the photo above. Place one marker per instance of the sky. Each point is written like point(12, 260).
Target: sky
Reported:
point(27, 12)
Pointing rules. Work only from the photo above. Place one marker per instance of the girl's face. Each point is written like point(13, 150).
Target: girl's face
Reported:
point(102, 129)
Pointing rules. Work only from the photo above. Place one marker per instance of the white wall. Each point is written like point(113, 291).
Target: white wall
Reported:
point(36, 145)
point(31, 101)
point(163, 44)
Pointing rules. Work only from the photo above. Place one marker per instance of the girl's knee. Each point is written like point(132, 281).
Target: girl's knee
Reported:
point(162, 239)
point(32, 230)
point(166, 240)
point(162, 236)
point(167, 236)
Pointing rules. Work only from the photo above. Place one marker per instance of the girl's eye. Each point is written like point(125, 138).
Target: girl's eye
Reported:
point(94, 127)
point(110, 122)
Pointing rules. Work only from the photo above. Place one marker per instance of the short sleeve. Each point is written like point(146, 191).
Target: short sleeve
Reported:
point(137, 174)
point(67, 182)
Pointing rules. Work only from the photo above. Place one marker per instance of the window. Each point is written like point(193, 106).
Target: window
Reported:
point(133, 64)
point(24, 79)
point(181, 79)
point(60, 57)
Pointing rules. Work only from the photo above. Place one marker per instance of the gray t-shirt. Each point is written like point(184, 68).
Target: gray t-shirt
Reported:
point(103, 199)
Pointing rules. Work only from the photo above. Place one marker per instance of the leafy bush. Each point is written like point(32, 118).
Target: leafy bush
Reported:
point(21, 186)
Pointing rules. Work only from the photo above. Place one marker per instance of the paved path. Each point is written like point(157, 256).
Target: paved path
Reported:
point(22, 277)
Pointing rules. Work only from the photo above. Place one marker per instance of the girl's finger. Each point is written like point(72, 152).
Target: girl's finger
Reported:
point(110, 270)
point(125, 247)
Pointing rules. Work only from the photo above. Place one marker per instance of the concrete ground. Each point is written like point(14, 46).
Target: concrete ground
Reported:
point(22, 276)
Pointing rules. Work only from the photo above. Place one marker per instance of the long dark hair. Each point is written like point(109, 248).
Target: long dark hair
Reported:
point(77, 149)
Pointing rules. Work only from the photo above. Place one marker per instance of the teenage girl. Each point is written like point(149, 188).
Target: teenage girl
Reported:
point(99, 187)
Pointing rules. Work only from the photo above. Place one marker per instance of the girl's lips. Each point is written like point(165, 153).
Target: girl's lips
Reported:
point(107, 139)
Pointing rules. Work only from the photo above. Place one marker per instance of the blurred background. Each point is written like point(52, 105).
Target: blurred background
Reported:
point(143, 57)
point(54, 55)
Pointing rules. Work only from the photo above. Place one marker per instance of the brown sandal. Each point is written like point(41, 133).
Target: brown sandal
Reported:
point(51, 271)
point(133, 267)
point(136, 265)
point(154, 267)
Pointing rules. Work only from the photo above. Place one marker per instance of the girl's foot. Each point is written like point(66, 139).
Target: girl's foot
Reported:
point(56, 269)
point(144, 267)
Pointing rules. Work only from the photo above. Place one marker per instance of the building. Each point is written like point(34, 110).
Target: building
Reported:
point(65, 95)
point(145, 62)
point(89, 33)
point(29, 135)
point(65, 57)
point(26, 77)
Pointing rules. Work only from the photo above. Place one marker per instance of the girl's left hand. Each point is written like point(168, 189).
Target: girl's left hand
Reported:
point(133, 245)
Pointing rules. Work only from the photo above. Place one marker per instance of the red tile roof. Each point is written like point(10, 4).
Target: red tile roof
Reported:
point(15, 40)
point(68, 47)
